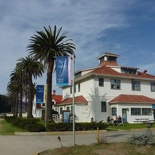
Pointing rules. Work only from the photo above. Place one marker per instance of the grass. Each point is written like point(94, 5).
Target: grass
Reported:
point(103, 149)
point(128, 127)
point(7, 128)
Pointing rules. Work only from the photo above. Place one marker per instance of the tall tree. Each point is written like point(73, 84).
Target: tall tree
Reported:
point(45, 46)
point(17, 83)
point(13, 89)
point(32, 68)
point(4, 104)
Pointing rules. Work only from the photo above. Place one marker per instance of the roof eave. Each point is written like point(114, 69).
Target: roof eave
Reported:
point(110, 75)
point(131, 102)
point(70, 103)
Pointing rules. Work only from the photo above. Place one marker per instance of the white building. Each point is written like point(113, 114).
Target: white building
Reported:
point(111, 90)
point(38, 109)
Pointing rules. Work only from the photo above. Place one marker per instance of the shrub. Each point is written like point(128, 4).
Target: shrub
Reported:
point(37, 127)
point(103, 139)
point(151, 141)
point(10, 119)
point(30, 124)
point(78, 126)
point(59, 126)
point(142, 139)
point(34, 125)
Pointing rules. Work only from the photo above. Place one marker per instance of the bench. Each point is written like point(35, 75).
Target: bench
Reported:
point(141, 120)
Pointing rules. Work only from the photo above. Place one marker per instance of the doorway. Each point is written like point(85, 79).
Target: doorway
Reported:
point(124, 115)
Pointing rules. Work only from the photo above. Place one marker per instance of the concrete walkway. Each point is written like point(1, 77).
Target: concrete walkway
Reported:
point(32, 143)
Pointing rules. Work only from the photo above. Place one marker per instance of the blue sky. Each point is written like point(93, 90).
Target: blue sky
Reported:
point(122, 27)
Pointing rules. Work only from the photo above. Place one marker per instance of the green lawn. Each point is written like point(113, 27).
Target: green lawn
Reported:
point(129, 127)
point(7, 128)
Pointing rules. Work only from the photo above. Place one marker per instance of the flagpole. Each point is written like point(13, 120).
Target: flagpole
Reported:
point(46, 106)
point(73, 95)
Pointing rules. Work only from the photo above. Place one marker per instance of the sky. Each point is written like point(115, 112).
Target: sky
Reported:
point(123, 27)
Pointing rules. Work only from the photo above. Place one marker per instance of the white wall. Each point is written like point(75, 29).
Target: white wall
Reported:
point(95, 95)
point(132, 118)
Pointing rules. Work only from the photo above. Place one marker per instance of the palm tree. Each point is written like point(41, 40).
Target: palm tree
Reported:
point(14, 90)
point(31, 68)
point(46, 46)
point(13, 97)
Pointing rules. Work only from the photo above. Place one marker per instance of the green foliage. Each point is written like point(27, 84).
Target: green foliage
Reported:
point(7, 128)
point(78, 126)
point(151, 140)
point(142, 139)
point(4, 104)
point(59, 126)
point(35, 125)
point(128, 126)
point(30, 124)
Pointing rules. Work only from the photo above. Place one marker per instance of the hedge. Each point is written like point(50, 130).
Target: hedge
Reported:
point(35, 125)
point(30, 124)
point(78, 126)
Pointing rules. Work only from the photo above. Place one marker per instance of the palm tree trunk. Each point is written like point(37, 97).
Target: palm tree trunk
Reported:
point(29, 109)
point(48, 113)
point(16, 107)
point(20, 104)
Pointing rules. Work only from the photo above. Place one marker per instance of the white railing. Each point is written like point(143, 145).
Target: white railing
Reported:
point(57, 118)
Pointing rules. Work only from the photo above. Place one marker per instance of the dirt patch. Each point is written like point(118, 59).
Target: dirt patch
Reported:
point(103, 149)
point(57, 151)
point(112, 149)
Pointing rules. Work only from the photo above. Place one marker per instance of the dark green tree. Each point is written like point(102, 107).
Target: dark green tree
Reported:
point(15, 88)
point(45, 46)
point(4, 104)
point(32, 69)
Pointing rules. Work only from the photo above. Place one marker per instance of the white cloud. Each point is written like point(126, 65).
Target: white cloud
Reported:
point(88, 23)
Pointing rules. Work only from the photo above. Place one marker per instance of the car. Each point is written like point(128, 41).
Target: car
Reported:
point(3, 115)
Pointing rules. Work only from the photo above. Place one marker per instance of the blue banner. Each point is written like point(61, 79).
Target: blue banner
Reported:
point(63, 68)
point(40, 94)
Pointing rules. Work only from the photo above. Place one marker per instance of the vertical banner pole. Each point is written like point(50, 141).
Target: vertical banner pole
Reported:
point(46, 106)
point(73, 94)
point(63, 67)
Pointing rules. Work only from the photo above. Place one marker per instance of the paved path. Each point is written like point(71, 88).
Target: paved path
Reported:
point(29, 144)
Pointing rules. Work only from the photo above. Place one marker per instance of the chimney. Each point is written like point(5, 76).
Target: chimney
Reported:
point(145, 71)
point(108, 58)
point(54, 91)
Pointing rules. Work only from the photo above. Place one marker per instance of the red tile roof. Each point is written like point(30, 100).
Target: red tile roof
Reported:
point(105, 70)
point(131, 99)
point(56, 98)
point(77, 99)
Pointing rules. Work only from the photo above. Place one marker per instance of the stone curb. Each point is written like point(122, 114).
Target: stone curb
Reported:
point(58, 133)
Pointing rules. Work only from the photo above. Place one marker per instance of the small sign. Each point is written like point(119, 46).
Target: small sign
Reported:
point(66, 116)
point(63, 70)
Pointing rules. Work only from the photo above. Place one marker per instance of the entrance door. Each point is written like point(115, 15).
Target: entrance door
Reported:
point(124, 115)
